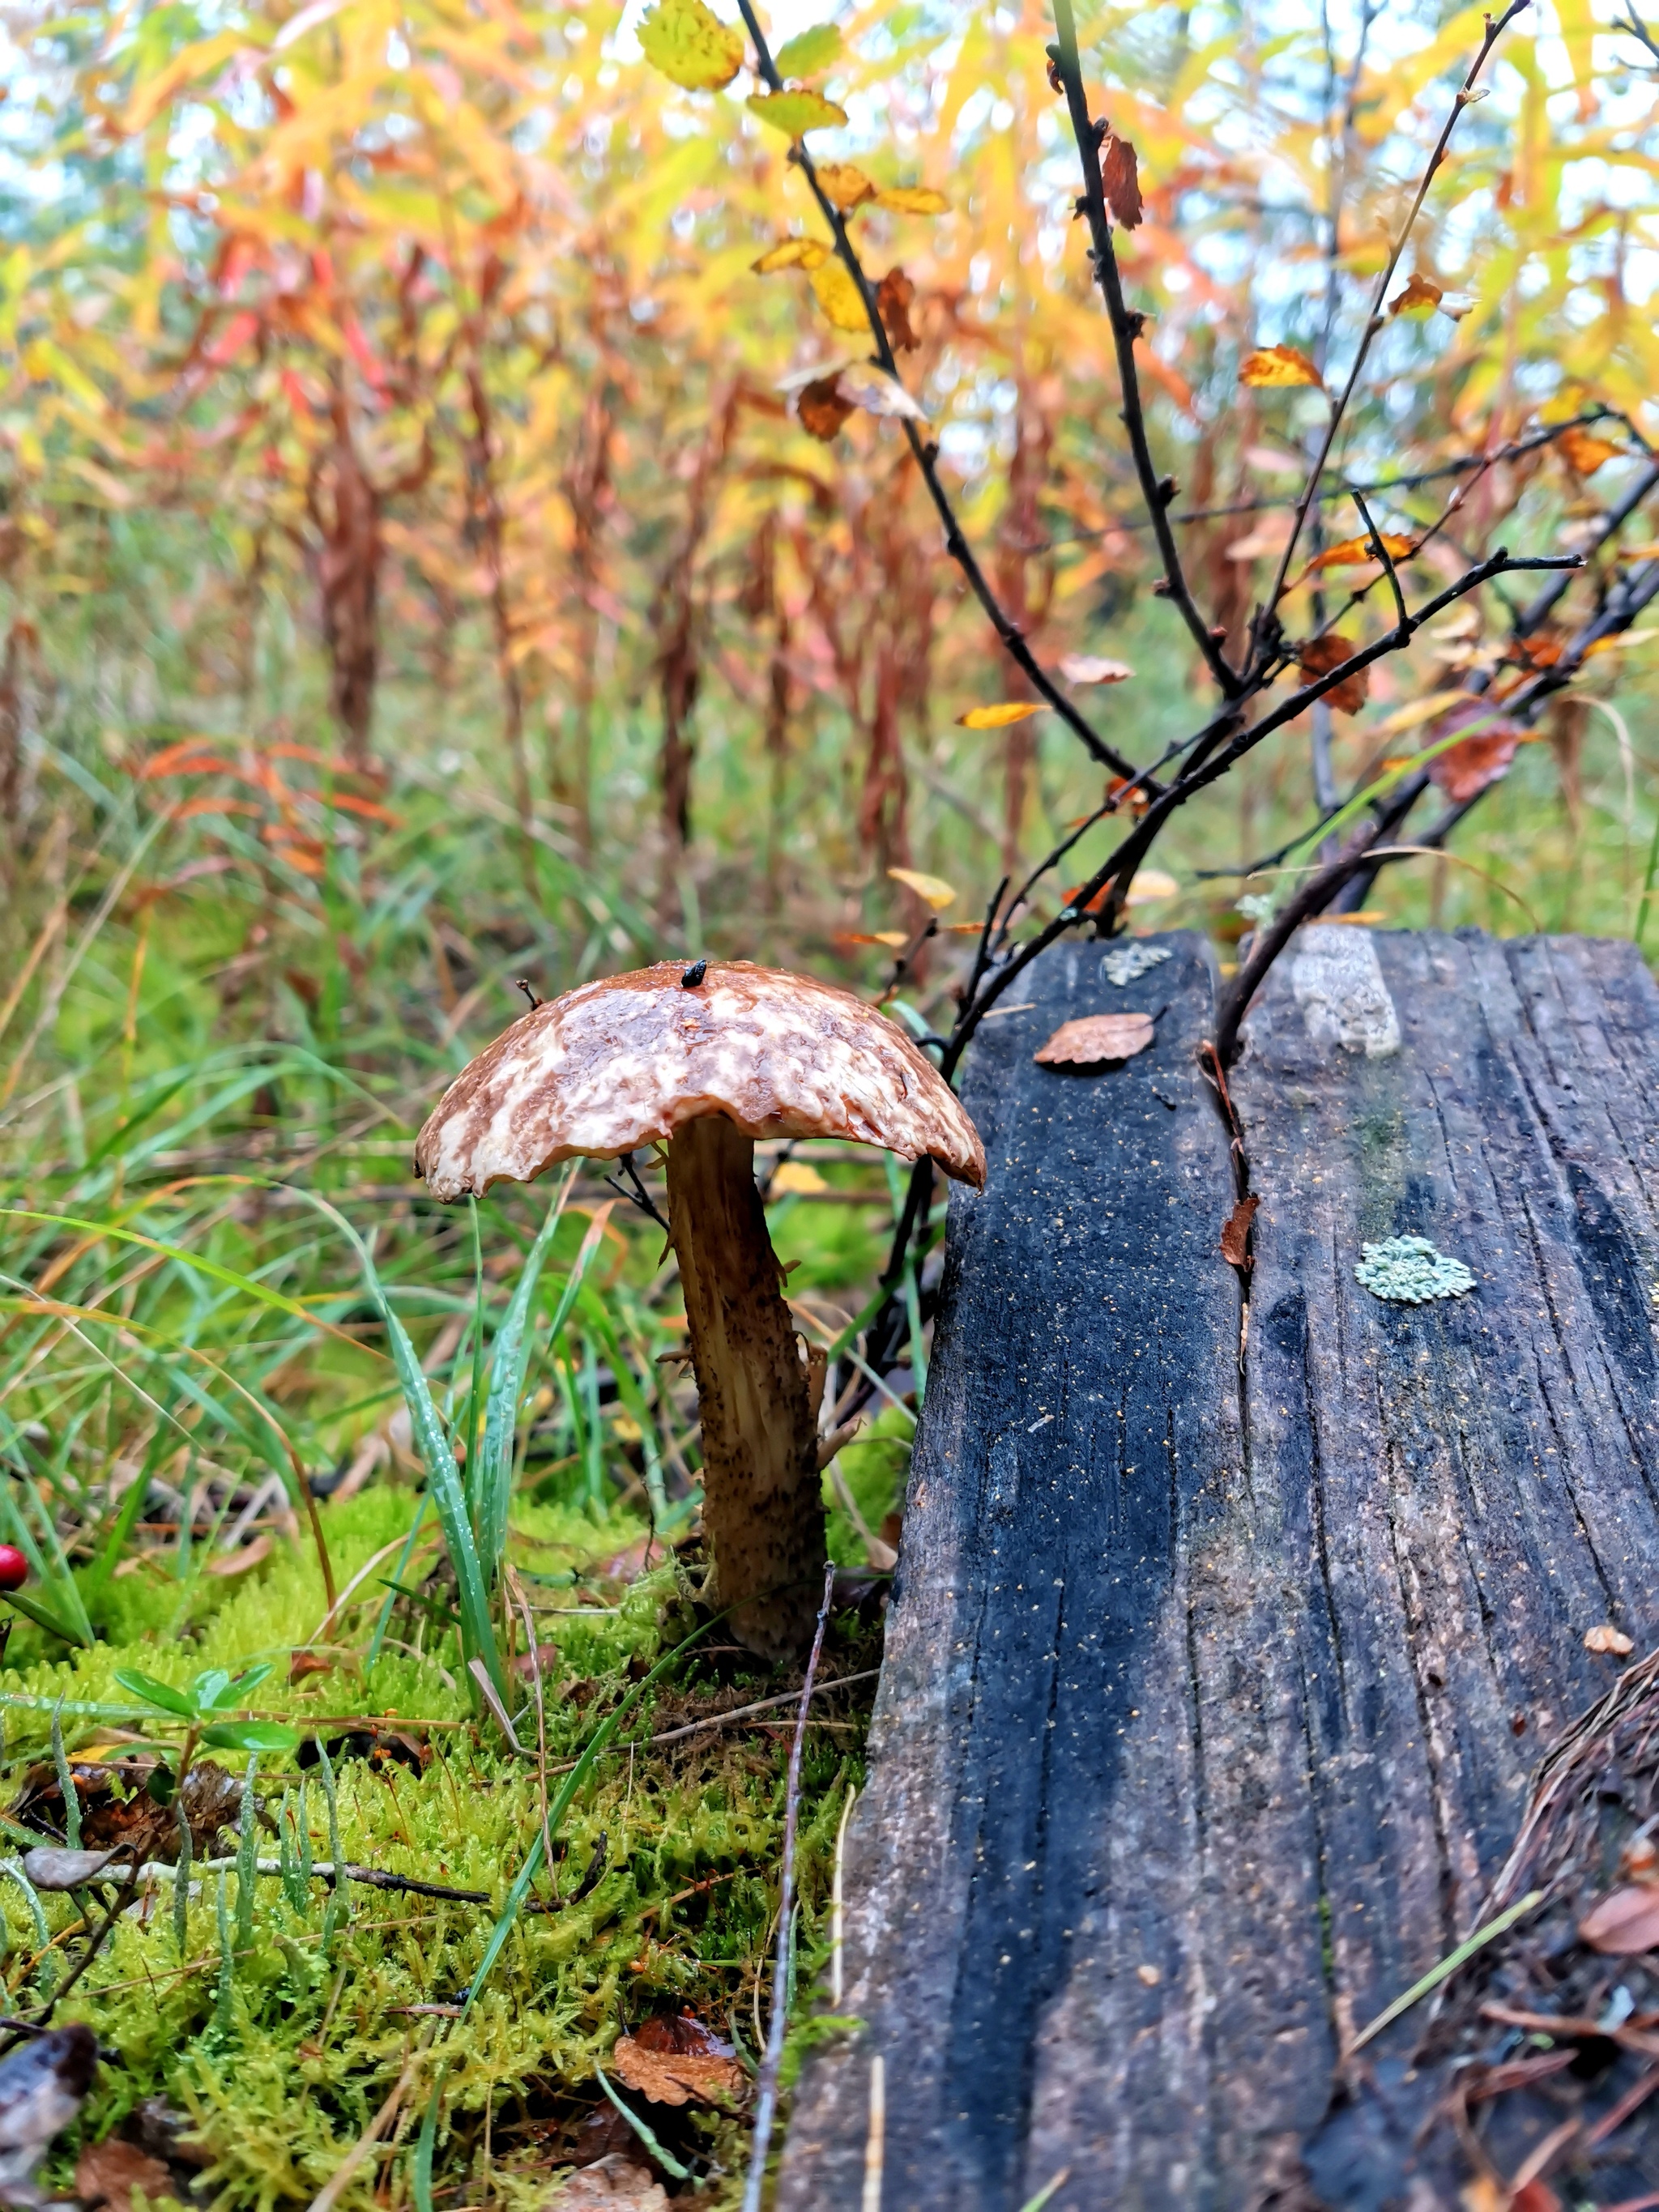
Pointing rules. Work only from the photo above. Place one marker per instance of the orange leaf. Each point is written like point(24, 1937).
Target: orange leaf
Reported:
point(368, 808)
point(1121, 181)
point(230, 341)
point(189, 808)
point(1322, 654)
point(186, 756)
point(1356, 552)
point(821, 409)
point(1419, 296)
point(1583, 453)
point(1272, 367)
point(1624, 1924)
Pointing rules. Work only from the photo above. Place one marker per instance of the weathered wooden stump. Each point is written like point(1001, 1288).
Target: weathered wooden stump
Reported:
point(1227, 1628)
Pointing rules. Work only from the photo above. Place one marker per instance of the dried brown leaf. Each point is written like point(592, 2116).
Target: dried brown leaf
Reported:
point(1236, 1235)
point(1095, 1039)
point(1322, 654)
point(1121, 181)
point(821, 408)
point(1608, 1641)
point(1624, 1924)
point(674, 2060)
point(893, 296)
point(108, 2172)
point(1468, 765)
point(615, 2183)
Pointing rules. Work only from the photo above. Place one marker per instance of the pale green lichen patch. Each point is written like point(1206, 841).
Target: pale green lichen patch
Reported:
point(1410, 1271)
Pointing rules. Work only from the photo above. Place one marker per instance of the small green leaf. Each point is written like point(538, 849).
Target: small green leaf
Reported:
point(251, 1735)
point(811, 53)
point(208, 1689)
point(796, 113)
point(155, 1693)
point(237, 1690)
point(691, 45)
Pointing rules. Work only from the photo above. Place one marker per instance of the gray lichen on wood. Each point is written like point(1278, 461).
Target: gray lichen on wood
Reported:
point(1411, 1271)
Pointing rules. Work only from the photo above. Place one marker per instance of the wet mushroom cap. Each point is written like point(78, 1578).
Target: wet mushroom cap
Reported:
point(626, 1062)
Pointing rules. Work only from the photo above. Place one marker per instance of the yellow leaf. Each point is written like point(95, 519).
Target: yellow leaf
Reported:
point(1273, 367)
point(791, 254)
point(796, 113)
point(1616, 644)
point(897, 938)
point(1151, 884)
point(1414, 714)
point(795, 1175)
point(846, 187)
point(1647, 552)
point(691, 45)
point(933, 890)
point(839, 297)
point(912, 199)
point(997, 717)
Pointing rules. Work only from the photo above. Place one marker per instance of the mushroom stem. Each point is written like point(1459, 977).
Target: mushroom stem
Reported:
point(762, 1502)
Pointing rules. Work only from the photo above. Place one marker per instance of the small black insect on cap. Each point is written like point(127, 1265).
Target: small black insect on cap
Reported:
point(694, 975)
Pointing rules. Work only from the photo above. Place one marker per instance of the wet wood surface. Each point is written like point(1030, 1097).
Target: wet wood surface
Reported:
point(1227, 1629)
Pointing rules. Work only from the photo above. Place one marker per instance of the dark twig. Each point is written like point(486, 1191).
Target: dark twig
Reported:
point(765, 2097)
point(1125, 327)
point(925, 451)
point(635, 1192)
point(1376, 546)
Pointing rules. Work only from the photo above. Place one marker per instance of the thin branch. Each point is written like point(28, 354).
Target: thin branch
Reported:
point(1159, 494)
point(1378, 549)
point(925, 451)
point(1374, 322)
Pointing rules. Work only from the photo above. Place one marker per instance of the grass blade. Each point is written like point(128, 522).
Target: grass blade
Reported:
point(508, 1356)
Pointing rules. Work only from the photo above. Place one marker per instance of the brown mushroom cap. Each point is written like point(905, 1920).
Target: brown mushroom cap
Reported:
point(627, 1061)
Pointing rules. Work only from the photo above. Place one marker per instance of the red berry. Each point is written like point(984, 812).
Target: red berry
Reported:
point(14, 1568)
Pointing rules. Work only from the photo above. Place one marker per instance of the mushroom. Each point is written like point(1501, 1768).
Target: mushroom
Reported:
point(706, 1059)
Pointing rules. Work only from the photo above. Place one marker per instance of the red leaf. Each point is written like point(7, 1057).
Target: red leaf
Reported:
point(230, 341)
point(1120, 177)
point(1322, 654)
point(893, 296)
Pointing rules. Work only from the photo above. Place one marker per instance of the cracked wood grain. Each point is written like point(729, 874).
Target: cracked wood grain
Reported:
point(1197, 1738)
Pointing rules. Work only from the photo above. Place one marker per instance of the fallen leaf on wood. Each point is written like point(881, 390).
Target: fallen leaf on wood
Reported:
point(1119, 181)
point(613, 2181)
point(1322, 654)
point(108, 2172)
point(1624, 1924)
point(1095, 1038)
point(1610, 1641)
point(1235, 1236)
point(673, 2060)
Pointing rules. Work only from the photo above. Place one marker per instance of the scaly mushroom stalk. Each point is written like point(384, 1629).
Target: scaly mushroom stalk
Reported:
point(762, 1503)
point(706, 1059)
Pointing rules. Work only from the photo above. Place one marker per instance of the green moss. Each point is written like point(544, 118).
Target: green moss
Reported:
point(279, 2083)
